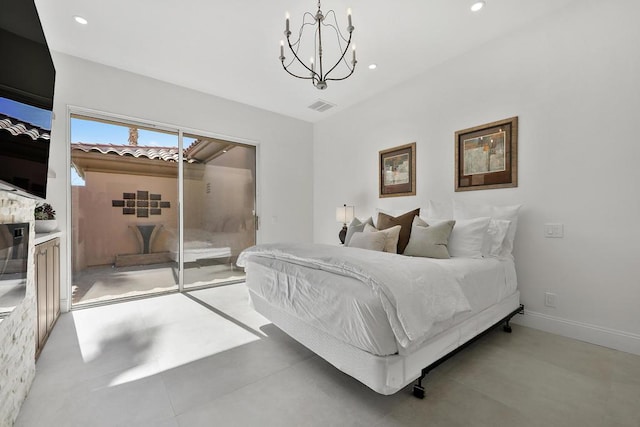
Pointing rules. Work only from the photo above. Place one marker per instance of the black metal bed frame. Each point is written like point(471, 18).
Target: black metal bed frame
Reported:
point(418, 389)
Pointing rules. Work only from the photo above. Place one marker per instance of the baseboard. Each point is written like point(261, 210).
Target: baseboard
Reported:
point(618, 340)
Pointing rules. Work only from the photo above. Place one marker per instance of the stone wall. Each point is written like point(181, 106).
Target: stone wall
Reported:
point(18, 330)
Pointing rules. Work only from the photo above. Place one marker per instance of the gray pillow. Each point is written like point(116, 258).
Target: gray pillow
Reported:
point(391, 234)
point(356, 226)
point(371, 241)
point(429, 241)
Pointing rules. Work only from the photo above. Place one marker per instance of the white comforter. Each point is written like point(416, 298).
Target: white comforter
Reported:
point(413, 294)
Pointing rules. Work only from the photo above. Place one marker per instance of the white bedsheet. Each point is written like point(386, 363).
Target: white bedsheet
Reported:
point(414, 294)
point(341, 306)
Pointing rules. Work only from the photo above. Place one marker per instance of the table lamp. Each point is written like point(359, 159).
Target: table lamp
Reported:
point(344, 214)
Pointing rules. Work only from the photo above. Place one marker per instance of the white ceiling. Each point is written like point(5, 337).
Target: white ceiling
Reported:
point(231, 48)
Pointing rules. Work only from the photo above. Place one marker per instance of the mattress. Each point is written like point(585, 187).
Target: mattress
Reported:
point(194, 254)
point(199, 244)
point(349, 311)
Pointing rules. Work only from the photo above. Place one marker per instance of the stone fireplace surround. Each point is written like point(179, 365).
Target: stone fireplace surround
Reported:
point(18, 330)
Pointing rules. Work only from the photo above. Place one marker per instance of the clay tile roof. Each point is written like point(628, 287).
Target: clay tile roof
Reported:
point(17, 128)
point(192, 146)
point(168, 154)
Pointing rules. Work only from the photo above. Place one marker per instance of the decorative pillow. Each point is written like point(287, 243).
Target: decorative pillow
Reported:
point(493, 240)
point(371, 241)
point(390, 212)
point(391, 236)
point(429, 241)
point(356, 226)
point(467, 237)
point(419, 222)
point(404, 221)
point(464, 210)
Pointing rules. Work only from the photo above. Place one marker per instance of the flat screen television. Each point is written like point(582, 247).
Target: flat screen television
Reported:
point(27, 80)
point(24, 155)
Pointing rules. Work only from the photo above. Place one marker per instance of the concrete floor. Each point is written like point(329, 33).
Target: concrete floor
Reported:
point(105, 283)
point(173, 360)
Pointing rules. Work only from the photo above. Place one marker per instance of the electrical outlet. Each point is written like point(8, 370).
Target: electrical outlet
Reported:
point(550, 299)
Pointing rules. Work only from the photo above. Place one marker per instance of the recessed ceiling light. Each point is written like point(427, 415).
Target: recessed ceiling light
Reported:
point(477, 6)
point(80, 20)
point(372, 66)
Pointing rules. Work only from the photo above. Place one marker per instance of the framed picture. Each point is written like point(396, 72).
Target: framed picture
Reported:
point(397, 171)
point(487, 156)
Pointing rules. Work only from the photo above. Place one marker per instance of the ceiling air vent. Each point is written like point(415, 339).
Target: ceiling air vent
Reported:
point(321, 106)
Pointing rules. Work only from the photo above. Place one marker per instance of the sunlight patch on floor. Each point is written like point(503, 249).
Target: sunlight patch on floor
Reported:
point(161, 333)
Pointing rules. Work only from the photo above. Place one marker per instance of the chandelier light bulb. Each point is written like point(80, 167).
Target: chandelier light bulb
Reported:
point(286, 30)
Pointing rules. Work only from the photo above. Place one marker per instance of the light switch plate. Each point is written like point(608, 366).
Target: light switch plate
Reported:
point(554, 230)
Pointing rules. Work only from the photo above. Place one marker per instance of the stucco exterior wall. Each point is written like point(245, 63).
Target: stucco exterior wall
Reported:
point(101, 231)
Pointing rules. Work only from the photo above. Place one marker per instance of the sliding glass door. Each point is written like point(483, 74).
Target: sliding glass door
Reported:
point(219, 209)
point(131, 236)
point(125, 217)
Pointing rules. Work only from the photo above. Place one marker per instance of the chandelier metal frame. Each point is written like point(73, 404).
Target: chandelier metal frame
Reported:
point(317, 74)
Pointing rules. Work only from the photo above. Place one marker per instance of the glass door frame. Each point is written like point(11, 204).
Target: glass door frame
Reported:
point(151, 124)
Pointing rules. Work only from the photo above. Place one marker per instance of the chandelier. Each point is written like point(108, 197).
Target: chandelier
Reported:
point(315, 70)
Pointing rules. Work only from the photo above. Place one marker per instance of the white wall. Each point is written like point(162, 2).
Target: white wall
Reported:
point(573, 80)
point(285, 145)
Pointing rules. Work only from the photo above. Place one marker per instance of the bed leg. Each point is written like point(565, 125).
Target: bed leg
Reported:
point(418, 389)
point(507, 327)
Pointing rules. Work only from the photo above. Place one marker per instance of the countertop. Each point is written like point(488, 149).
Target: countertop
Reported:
point(45, 237)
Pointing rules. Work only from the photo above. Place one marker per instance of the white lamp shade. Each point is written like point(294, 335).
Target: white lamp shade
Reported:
point(345, 214)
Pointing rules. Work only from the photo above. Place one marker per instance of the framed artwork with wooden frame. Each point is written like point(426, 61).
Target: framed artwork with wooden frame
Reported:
point(487, 156)
point(397, 171)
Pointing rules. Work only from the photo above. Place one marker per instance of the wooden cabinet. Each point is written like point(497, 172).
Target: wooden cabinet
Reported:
point(47, 271)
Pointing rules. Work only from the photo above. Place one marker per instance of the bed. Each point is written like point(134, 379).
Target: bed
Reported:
point(198, 250)
point(199, 245)
point(373, 315)
point(383, 318)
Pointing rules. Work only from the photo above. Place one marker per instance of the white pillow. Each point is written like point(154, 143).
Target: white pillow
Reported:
point(438, 209)
point(494, 238)
point(355, 226)
point(467, 237)
point(370, 241)
point(465, 210)
point(391, 235)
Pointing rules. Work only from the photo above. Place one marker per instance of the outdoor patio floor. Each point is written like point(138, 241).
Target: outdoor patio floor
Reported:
point(104, 283)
